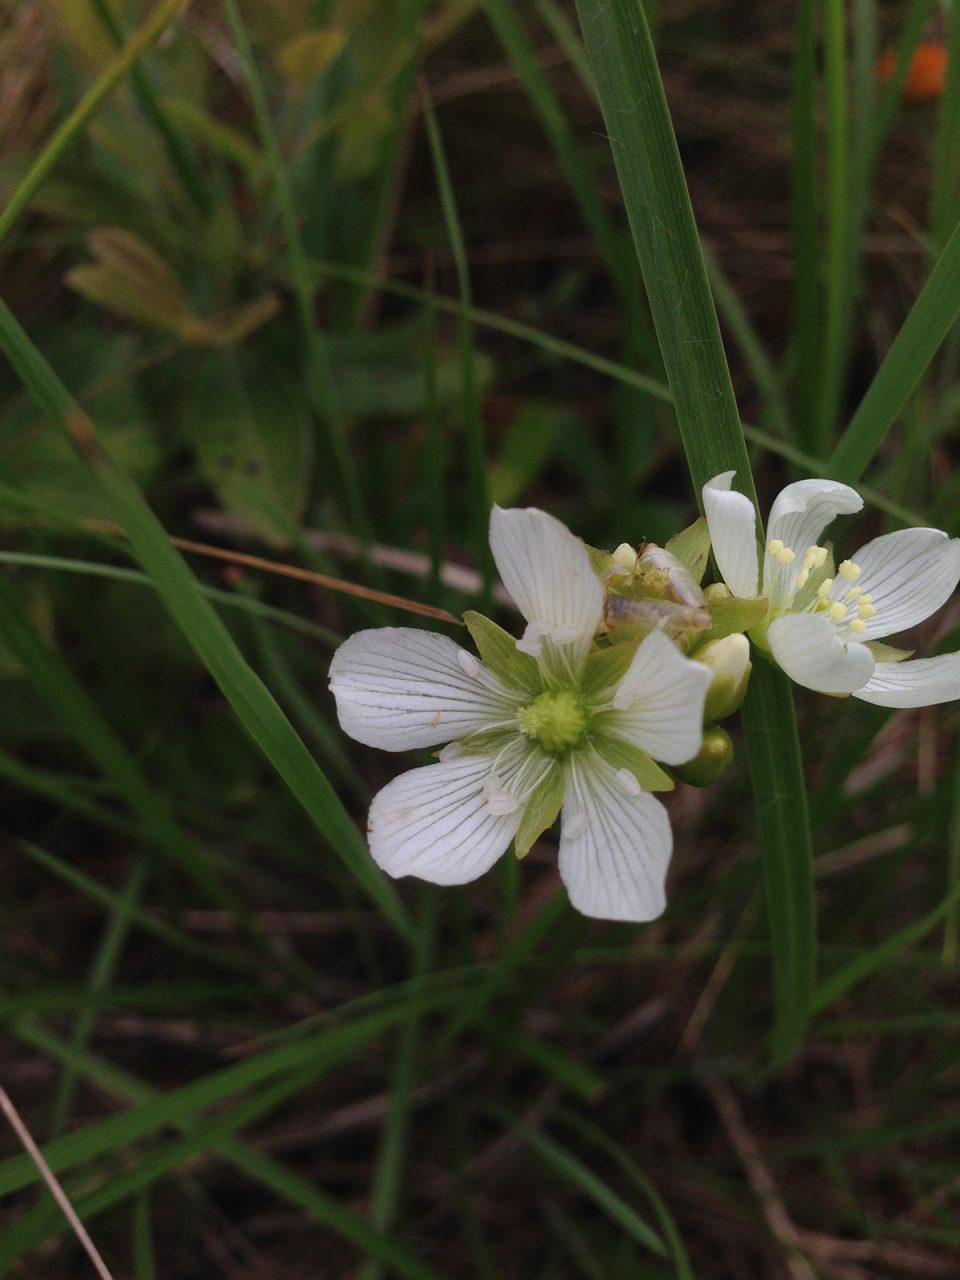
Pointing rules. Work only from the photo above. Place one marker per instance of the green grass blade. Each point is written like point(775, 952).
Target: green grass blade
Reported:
point(668, 247)
point(473, 420)
point(930, 320)
point(804, 214)
point(320, 382)
point(91, 102)
point(244, 690)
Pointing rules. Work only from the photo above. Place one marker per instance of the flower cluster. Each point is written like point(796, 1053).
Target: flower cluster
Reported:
point(614, 690)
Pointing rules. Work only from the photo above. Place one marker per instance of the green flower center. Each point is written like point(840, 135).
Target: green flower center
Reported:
point(556, 720)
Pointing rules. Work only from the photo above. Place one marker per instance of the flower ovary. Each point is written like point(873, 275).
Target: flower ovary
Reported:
point(556, 720)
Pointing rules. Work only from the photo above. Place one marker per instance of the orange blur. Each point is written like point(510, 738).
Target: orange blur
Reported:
point(925, 76)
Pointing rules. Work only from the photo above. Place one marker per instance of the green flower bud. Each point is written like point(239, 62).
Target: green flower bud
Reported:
point(711, 762)
point(729, 660)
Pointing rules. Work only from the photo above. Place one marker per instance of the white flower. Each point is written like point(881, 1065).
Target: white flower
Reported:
point(822, 624)
point(542, 726)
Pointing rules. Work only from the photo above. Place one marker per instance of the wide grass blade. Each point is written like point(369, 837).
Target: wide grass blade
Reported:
point(930, 320)
point(665, 235)
point(195, 616)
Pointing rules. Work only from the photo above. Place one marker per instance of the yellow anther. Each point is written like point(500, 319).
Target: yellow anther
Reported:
point(814, 557)
point(850, 571)
point(802, 578)
point(866, 598)
point(775, 546)
point(853, 593)
point(857, 627)
point(825, 587)
point(866, 611)
point(786, 556)
point(837, 611)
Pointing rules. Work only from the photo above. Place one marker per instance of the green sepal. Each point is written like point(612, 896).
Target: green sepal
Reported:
point(498, 649)
point(711, 762)
point(888, 652)
point(605, 668)
point(487, 742)
point(621, 754)
point(729, 616)
point(691, 546)
point(541, 811)
point(601, 562)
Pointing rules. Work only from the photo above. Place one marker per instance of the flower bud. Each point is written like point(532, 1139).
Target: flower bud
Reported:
point(729, 660)
point(716, 592)
point(712, 760)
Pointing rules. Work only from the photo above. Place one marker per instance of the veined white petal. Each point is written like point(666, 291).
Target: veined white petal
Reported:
point(909, 574)
point(614, 847)
point(733, 532)
point(918, 682)
point(398, 688)
point(798, 517)
point(658, 705)
point(548, 573)
point(437, 823)
point(808, 648)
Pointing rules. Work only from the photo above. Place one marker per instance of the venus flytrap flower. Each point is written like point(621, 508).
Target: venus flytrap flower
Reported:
point(536, 727)
point(823, 624)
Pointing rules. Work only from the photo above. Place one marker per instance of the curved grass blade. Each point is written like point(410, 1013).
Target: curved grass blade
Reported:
point(253, 703)
point(931, 318)
point(634, 106)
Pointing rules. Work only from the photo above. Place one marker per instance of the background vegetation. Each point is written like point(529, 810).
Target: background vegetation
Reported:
point(321, 281)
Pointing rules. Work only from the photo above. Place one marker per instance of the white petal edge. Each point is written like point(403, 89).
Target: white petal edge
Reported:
point(547, 571)
point(732, 522)
point(798, 517)
point(659, 702)
point(435, 823)
point(398, 688)
point(807, 647)
point(918, 682)
point(614, 847)
point(909, 574)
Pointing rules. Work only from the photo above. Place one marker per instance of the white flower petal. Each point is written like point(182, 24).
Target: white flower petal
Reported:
point(547, 571)
point(807, 647)
point(398, 688)
point(658, 705)
point(920, 682)
point(614, 847)
point(909, 574)
point(798, 517)
point(733, 532)
point(438, 823)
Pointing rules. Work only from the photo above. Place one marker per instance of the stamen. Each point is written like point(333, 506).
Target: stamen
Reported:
point(866, 598)
point(825, 587)
point(468, 663)
point(530, 641)
point(564, 635)
point(625, 557)
point(837, 611)
point(850, 571)
point(452, 751)
point(575, 825)
point(786, 556)
point(628, 782)
point(802, 578)
point(500, 803)
point(853, 593)
point(857, 627)
point(775, 546)
point(866, 611)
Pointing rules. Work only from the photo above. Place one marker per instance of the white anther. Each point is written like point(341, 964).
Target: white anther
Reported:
point(452, 751)
point(850, 571)
point(530, 641)
point(837, 611)
point(857, 627)
point(575, 825)
point(468, 663)
point(628, 782)
point(500, 803)
point(564, 635)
